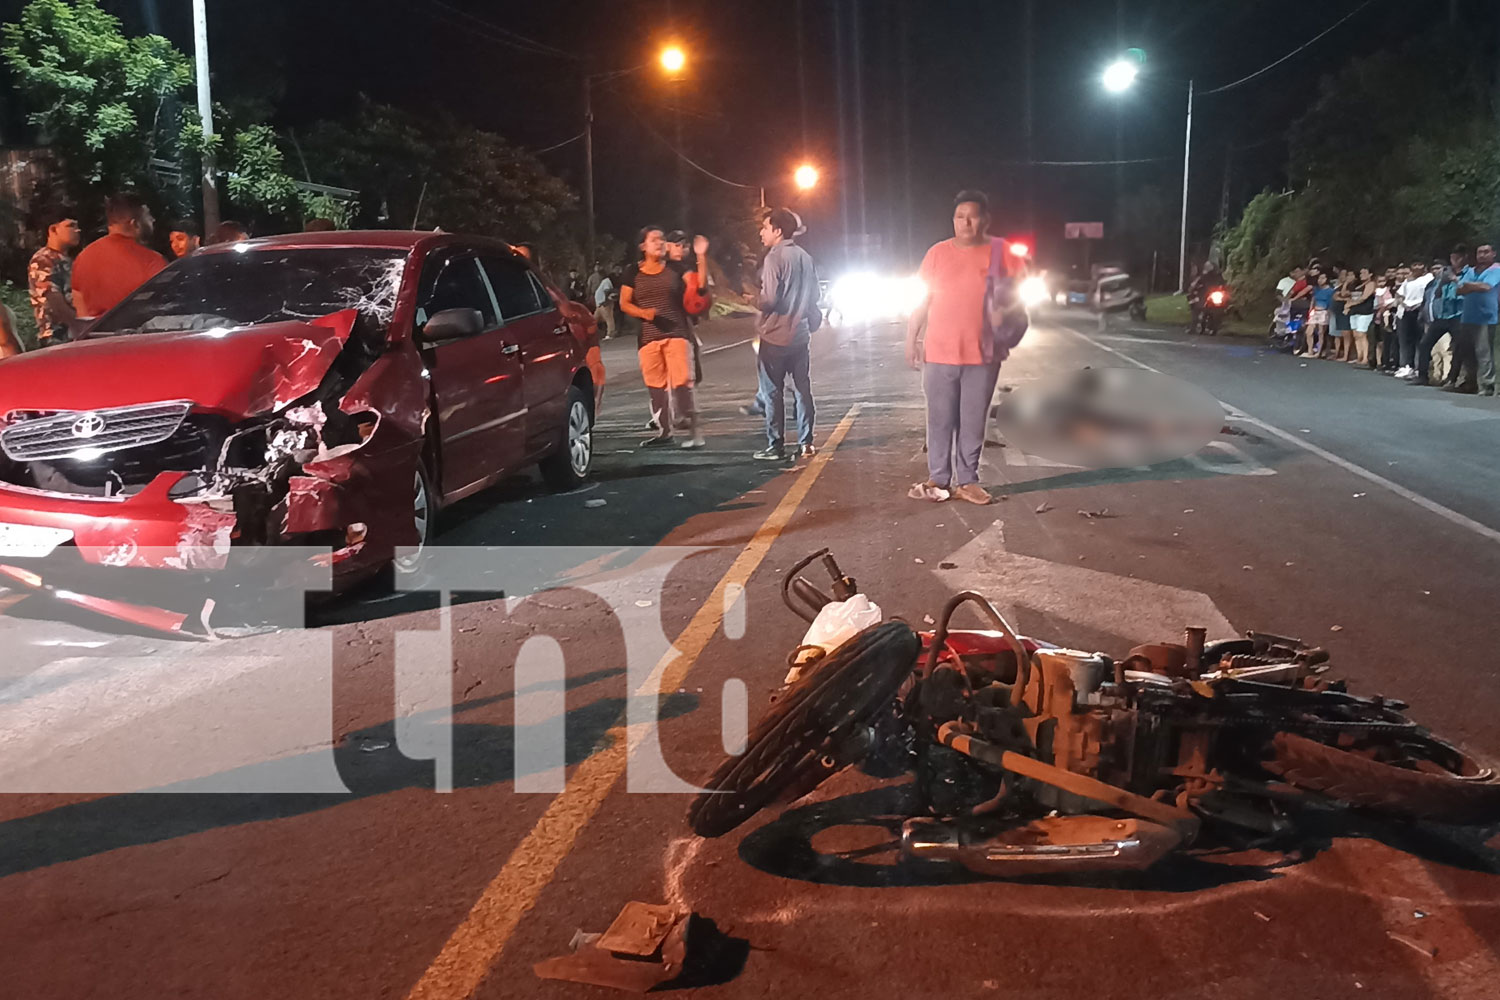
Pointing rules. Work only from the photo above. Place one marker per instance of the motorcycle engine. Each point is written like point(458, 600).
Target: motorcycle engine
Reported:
point(1080, 721)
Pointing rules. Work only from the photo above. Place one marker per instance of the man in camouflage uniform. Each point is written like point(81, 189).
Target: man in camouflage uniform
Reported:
point(50, 279)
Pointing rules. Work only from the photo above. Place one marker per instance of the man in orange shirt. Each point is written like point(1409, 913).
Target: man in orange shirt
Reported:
point(958, 361)
point(116, 264)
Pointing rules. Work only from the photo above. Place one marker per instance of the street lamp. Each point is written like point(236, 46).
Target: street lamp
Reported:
point(805, 177)
point(672, 60)
point(1118, 77)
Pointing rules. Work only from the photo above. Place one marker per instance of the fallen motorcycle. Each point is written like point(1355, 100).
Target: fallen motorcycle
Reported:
point(1032, 759)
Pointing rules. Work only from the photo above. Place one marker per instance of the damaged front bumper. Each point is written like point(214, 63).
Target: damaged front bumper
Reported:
point(149, 530)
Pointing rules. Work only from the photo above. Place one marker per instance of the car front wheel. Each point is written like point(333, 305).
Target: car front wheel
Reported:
point(569, 464)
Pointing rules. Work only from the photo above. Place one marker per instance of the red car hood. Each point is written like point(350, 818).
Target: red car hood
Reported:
point(238, 373)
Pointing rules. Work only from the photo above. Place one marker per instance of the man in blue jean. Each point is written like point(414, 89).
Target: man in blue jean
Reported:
point(1473, 353)
point(788, 316)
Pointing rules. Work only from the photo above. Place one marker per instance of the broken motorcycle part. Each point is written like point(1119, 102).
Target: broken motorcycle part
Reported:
point(798, 744)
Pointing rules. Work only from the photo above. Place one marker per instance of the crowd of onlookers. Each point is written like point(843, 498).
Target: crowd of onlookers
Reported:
point(63, 287)
point(1425, 323)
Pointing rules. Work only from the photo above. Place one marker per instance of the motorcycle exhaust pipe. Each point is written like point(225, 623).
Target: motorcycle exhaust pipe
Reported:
point(1056, 845)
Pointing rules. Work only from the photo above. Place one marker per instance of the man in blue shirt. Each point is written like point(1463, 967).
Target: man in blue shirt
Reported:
point(1441, 310)
point(1473, 354)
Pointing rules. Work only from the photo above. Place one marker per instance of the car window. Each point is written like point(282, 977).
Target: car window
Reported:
point(515, 289)
point(453, 282)
point(266, 285)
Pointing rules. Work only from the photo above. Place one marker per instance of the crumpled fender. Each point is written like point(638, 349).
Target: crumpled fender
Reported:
point(369, 483)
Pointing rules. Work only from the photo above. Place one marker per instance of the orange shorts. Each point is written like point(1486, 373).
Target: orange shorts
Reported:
point(667, 364)
point(595, 362)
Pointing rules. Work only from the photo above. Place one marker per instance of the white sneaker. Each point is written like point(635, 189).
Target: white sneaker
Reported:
point(1405, 372)
point(696, 441)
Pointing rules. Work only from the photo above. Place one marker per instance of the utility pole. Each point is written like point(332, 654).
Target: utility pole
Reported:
point(588, 164)
point(1187, 159)
point(206, 118)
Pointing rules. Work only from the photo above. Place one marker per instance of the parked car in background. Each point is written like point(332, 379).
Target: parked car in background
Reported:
point(333, 389)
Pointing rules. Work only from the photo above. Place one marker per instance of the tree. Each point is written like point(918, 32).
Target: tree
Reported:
point(102, 100)
point(425, 171)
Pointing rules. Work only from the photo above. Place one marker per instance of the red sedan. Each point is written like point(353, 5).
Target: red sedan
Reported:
point(329, 389)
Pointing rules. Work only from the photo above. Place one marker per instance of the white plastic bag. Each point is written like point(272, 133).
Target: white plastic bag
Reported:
point(835, 625)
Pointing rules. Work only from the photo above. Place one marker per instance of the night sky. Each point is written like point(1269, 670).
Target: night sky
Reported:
point(922, 98)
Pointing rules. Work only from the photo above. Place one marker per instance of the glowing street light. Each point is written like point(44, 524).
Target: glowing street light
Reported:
point(673, 59)
point(1120, 75)
point(805, 177)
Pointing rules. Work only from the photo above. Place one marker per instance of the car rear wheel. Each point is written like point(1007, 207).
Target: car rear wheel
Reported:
point(569, 464)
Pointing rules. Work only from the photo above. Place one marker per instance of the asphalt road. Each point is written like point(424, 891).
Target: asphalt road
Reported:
point(1341, 506)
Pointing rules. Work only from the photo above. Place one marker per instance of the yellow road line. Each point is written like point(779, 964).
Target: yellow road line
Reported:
point(475, 944)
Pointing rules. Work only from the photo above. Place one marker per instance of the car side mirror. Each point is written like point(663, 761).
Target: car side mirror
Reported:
point(451, 324)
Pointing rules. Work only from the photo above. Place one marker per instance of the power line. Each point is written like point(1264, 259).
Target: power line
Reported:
point(688, 159)
point(1304, 45)
point(560, 145)
point(1083, 163)
point(504, 36)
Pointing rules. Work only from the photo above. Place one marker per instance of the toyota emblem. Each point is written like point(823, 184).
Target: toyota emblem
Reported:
point(89, 425)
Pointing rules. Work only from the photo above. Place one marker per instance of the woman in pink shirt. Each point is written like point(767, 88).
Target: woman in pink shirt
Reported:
point(946, 338)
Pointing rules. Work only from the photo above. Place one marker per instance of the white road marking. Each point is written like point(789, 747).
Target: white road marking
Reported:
point(725, 347)
point(1432, 506)
point(1133, 609)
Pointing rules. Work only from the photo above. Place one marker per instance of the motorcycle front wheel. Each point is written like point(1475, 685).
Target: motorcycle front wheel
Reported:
point(1413, 774)
point(812, 732)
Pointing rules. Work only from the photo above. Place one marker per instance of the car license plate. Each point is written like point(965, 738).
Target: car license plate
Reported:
point(1077, 297)
point(28, 541)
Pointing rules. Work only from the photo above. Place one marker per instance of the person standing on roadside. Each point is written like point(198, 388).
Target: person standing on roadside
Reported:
point(1413, 294)
point(1479, 286)
point(1441, 309)
point(184, 239)
point(652, 292)
point(595, 278)
point(959, 345)
point(10, 340)
point(49, 280)
point(228, 231)
point(789, 315)
point(117, 263)
point(605, 298)
point(694, 271)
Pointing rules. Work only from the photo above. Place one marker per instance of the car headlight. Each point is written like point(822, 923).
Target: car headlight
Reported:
point(864, 297)
point(1033, 291)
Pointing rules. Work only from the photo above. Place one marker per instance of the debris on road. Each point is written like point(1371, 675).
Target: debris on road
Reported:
point(1247, 567)
point(1262, 916)
point(948, 565)
point(1093, 514)
point(1358, 495)
point(595, 503)
point(645, 947)
point(1335, 628)
point(1412, 943)
point(643, 604)
point(1043, 507)
point(919, 562)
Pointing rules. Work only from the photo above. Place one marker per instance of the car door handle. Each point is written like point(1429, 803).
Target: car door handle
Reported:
point(558, 331)
point(510, 349)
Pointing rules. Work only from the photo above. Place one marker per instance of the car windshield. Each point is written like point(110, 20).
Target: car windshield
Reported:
point(260, 286)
